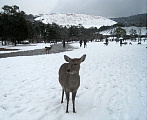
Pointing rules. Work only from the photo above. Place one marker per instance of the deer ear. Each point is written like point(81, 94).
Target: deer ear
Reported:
point(67, 59)
point(83, 58)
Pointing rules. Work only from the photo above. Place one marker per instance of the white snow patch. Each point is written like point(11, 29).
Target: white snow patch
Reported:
point(23, 47)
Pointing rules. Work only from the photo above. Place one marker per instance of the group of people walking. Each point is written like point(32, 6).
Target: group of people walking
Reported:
point(81, 42)
point(85, 43)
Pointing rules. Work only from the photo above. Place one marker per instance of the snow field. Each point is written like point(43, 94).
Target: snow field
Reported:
point(113, 85)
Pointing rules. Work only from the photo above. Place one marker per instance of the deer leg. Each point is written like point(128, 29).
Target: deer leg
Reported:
point(62, 96)
point(67, 98)
point(73, 100)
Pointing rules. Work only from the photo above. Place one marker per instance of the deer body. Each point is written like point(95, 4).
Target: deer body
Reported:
point(69, 82)
point(47, 49)
point(139, 43)
point(69, 78)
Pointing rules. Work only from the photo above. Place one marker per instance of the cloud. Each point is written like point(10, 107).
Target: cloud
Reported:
point(31, 6)
point(106, 8)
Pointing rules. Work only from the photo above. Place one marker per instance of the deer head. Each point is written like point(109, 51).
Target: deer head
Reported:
point(74, 64)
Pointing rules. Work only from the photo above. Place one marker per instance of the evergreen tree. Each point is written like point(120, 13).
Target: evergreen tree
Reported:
point(133, 34)
point(120, 32)
point(14, 26)
point(52, 32)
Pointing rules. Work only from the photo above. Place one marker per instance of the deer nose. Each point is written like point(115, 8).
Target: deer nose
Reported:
point(68, 70)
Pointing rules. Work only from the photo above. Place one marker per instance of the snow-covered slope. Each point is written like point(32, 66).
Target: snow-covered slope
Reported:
point(76, 19)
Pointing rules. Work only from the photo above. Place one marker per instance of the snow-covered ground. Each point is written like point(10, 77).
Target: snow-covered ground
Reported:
point(113, 85)
point(23, 47)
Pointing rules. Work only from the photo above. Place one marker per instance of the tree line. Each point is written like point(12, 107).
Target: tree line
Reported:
point(15, 27)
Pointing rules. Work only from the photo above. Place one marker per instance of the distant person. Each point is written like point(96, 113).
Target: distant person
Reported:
point(80, 43)
point(106, 40)
point(63, 43)
point(85, 43)
point(120, 42)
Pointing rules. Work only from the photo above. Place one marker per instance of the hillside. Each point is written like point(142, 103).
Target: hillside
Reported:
point(135, 20)
point(69, 19)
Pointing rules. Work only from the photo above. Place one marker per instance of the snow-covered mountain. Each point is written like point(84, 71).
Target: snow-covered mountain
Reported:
point(76, 19)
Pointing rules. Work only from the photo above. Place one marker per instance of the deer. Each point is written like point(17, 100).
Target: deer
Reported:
point(47, 49)
point(106, 43)
point(125, 43)
point(69, 78)
point(139, 43)
point(130, 43)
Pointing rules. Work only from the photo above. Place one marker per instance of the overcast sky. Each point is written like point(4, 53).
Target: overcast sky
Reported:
point(104, 8)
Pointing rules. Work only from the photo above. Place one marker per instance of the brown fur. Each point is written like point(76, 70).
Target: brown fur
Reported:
point(69, 78)
point(47, 49)
point(139, 43)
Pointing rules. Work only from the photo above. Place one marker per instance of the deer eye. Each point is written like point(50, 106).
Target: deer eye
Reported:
point(75, 64)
